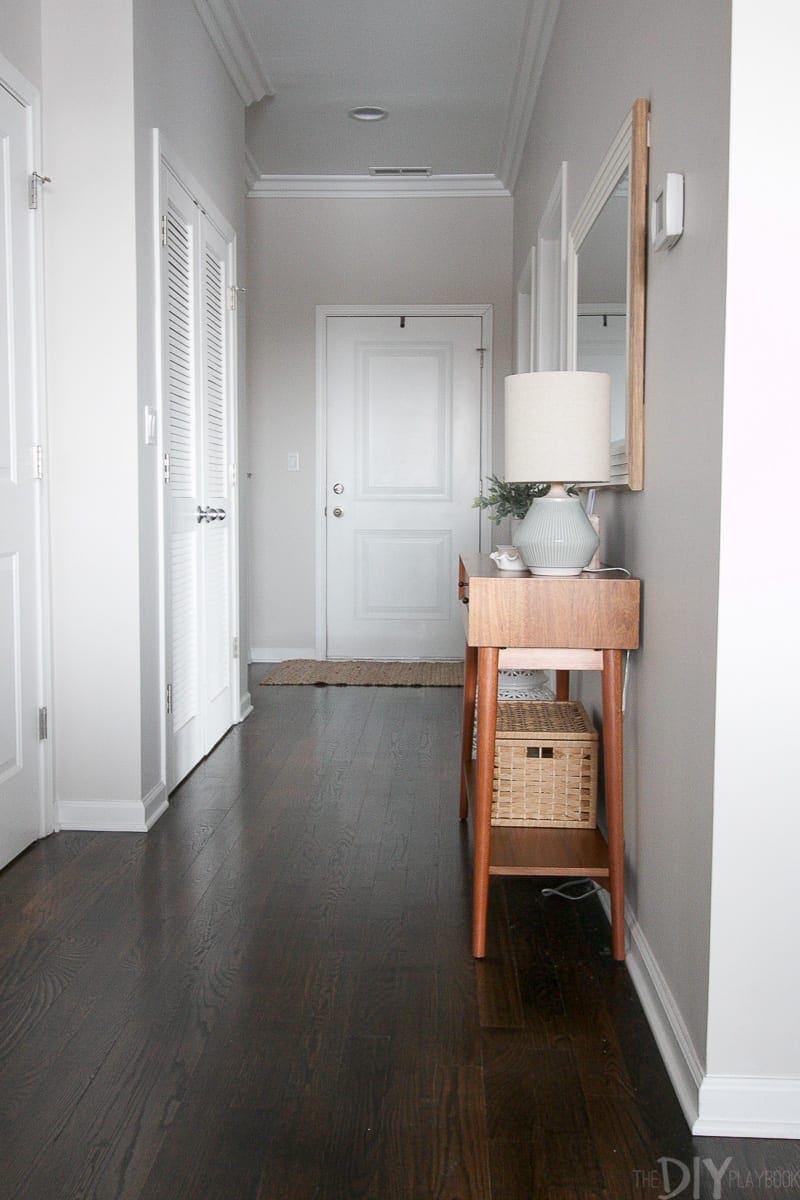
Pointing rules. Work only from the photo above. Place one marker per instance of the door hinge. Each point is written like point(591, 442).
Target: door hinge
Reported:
point(234, 475)
point(38, 462)
point(166, 468)
point(169, 699)
point(42, 724)
point(233, 296)
point(482, 351)
point(164, 230)
point(236, 647)
point(34, 184)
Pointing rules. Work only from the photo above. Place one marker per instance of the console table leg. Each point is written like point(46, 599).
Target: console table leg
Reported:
point(487, 723)
point(612, 754)
point(562, 685)
point(468, 722)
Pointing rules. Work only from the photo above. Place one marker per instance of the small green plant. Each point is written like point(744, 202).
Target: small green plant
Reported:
point(509, 499)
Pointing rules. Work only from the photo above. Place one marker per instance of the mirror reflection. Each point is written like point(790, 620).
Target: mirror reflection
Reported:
point(606, 293)
point(601, 335)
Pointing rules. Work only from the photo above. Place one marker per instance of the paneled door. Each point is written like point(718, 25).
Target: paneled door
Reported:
point(21, 621)
point(403, 467)
point(199, 491)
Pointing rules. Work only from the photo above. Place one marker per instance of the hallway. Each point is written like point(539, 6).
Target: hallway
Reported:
point(270, 996)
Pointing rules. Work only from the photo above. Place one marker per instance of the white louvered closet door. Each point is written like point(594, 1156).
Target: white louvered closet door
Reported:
point(183, 533)
point(216, 462)
point(199, 508)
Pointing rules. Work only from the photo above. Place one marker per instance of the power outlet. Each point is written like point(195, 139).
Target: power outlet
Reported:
point(293, 461)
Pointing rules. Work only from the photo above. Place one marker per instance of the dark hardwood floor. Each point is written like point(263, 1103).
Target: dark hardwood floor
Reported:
point(271, 996)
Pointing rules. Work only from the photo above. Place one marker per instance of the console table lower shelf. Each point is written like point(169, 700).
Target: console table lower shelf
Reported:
point(523, 850)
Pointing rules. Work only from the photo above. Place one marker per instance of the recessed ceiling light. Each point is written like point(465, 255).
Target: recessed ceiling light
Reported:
point(368, 112)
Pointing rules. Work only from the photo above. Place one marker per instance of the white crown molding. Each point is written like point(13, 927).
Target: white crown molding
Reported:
point(536, 43)
point(226, 27)
point(353, 187)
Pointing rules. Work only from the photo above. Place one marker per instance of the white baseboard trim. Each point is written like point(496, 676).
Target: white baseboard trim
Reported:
point(276, 654)
point(245, 706)
point(113, 816)
point(713, 1105)
point(663, 1016)
point(749, 1107)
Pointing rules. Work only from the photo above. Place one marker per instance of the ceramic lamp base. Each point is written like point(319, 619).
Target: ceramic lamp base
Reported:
point(556, 537)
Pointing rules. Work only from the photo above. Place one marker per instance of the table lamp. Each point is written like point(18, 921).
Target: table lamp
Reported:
point(558, 431)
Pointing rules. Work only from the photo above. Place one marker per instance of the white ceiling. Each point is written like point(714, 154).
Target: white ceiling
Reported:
point(458, 78)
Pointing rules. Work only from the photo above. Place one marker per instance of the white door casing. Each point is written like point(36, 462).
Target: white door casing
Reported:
point(403, 443)
point(200, 511)
point(25, 802)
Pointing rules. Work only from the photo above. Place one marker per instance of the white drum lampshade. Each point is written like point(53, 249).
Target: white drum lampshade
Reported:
point(558, 430)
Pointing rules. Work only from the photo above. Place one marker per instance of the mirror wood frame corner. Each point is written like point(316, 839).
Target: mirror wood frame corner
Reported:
point(627, 153)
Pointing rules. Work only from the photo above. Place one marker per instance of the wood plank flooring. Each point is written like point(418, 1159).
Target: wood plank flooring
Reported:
point(271, 995)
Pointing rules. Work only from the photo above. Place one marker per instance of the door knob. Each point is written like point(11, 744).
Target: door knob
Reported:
point(338, 512)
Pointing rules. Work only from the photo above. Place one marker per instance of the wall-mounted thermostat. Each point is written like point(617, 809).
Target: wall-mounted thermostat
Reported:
point(666, 213)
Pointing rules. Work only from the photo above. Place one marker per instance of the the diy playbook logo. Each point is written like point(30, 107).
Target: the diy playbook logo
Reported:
point(680, 1179)
point(676, 1176)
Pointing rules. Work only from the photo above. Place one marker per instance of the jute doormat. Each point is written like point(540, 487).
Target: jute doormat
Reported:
point(366, 673)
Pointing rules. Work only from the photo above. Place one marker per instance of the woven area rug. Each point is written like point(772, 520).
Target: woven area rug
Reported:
point(366, 673)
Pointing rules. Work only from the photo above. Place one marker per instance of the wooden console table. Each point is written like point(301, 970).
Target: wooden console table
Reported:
point(580, 622)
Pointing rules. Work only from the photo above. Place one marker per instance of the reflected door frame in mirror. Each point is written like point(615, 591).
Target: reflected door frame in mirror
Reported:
point(628, 152)
point(550, 342)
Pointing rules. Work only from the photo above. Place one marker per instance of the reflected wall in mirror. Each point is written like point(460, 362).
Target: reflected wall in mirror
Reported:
point(551, 279)
point(606, 289)
point(525, 306)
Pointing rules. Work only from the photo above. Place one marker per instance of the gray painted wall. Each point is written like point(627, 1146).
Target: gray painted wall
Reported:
point(21, 37)
point(308, 252)
point(601, 58)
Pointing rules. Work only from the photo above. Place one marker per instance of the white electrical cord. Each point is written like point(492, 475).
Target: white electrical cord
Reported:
point(590, 887)
point(601, 570)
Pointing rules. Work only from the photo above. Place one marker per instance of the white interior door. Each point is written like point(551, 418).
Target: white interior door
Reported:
point(217, 488)
point(602, 345)
point(181, 371)
point(21, 756)
point(403, 467)
point(199, 507)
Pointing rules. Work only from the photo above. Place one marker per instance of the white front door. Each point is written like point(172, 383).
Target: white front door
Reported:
point(199, 510)
point(403, 467)
point(21, 756)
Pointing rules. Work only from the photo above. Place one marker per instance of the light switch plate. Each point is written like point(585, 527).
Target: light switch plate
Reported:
point(666, 212)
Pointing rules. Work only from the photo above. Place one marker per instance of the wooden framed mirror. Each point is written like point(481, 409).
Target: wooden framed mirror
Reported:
point(607, 256)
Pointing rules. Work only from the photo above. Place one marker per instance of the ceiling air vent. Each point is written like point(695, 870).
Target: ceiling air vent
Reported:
point(400, 172)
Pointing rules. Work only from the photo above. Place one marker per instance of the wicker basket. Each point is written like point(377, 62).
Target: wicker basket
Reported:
point(545, 766)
